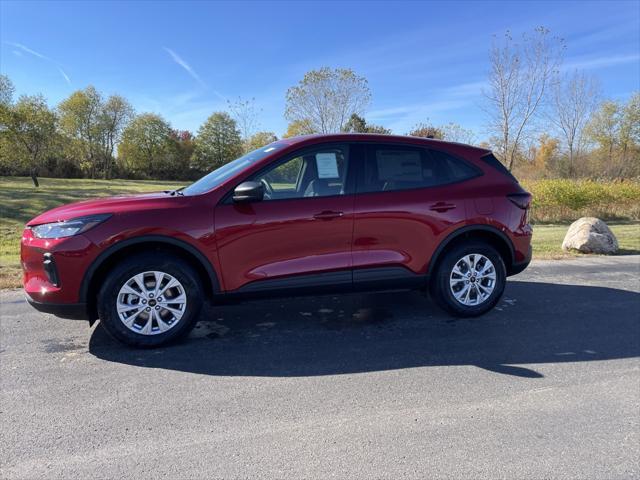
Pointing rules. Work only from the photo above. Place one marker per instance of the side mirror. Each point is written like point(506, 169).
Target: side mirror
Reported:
point(248, 192)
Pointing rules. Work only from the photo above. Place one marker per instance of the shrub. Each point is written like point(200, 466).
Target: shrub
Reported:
point(562, 200)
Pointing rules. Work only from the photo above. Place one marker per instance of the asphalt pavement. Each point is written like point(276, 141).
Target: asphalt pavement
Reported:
point(359, 386)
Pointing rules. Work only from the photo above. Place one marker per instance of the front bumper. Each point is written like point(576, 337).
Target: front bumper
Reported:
point(53, 269)
point(74, 311)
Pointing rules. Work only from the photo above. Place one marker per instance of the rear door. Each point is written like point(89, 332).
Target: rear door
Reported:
point(300, 234)
point(407, 196)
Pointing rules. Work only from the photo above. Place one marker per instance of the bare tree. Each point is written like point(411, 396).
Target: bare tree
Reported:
point(245, 113)
point(519, 79)
point(327, 98)
point(575, 99)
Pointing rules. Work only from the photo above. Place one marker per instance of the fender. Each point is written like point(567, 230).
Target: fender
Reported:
point(104, 256)
point(467, 229)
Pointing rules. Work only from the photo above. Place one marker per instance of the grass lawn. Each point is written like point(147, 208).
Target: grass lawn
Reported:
point(20, 201)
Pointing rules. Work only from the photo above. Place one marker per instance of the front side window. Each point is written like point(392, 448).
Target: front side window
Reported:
point(392, 168)
point(318, 172)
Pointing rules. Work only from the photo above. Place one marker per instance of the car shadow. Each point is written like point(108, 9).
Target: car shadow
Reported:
point(535, 323)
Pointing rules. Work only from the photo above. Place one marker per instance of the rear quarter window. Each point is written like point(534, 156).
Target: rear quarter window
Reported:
point(454, 169)
point(492, 161)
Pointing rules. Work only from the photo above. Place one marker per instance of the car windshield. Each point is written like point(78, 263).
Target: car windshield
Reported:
point(226, 171)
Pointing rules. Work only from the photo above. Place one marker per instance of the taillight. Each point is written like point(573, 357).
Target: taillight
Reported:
point(520, 200)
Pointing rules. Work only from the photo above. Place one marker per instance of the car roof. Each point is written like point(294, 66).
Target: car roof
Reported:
point(374, 137)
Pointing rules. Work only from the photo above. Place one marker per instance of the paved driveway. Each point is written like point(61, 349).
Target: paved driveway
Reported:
point(381, 385)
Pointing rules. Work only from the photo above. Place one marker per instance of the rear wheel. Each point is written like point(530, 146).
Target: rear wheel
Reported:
point(150, 300)
point(469, 280)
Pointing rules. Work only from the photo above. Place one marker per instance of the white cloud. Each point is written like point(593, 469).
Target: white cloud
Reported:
point(28, 50)
point(23, 48)
point(601, 62)
point(64, 74)
point(176, 58)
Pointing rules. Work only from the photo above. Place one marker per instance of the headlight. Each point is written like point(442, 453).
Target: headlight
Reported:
point(68, 228)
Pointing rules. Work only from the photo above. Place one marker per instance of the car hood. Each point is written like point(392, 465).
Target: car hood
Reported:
point(118, 204)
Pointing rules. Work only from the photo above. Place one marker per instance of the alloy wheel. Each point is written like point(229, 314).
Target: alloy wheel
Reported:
point(151, 303)
point(472, 279)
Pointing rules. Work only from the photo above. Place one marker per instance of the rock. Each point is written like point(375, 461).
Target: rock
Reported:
point(590, 235)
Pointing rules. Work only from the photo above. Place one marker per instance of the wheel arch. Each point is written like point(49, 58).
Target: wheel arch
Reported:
point(107, 259)
point(486, 233)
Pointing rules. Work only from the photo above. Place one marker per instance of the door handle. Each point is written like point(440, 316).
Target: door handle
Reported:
point(441, 207)
point(328, 215)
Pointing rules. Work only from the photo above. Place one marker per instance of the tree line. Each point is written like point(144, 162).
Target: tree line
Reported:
point(541, 122)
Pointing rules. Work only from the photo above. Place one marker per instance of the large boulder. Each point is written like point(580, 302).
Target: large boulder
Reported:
point(590, 235)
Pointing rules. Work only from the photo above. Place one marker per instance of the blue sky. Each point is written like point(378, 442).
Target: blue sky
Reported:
point(423, 60)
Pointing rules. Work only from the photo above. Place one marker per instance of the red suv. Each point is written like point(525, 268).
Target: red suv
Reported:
point(303, 215)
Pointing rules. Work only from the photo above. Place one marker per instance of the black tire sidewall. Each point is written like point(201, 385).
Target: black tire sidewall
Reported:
point(443, 294)
point(122, 272)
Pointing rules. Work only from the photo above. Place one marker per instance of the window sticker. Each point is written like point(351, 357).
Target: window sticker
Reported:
point(327, 164)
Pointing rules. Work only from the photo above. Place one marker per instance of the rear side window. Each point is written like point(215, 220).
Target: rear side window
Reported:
point(392, 168)
point(491, 160)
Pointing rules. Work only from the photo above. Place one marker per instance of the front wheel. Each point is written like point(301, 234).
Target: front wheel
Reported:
point(149, 300)
point(469, 280)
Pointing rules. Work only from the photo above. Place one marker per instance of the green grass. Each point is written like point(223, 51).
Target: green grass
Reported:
point(20, 201)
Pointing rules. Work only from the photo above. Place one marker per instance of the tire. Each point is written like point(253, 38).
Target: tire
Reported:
point(447, 285)
point(148, 319)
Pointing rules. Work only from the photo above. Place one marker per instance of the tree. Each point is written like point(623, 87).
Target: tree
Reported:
point(452, 132)
point(630, 125)
point(80, 119)
point(96, 125)
point(299, 127)
point(426, 130)
point(245, 113)
point(115, 114)
point(604, 126)
point(326, 98)
point(544, 155)
point(574, 100)
point(519, 78)
point(615, 128)
point(217, 142)
point(379, 129)
point(146, 145)
point(357, 124)
point(260, 139)
point(6, 91)
point(31, 127)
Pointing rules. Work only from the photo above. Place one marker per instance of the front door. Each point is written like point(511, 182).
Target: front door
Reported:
point(300, 234)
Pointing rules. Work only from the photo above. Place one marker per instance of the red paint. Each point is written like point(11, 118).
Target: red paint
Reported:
point(271, 239)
